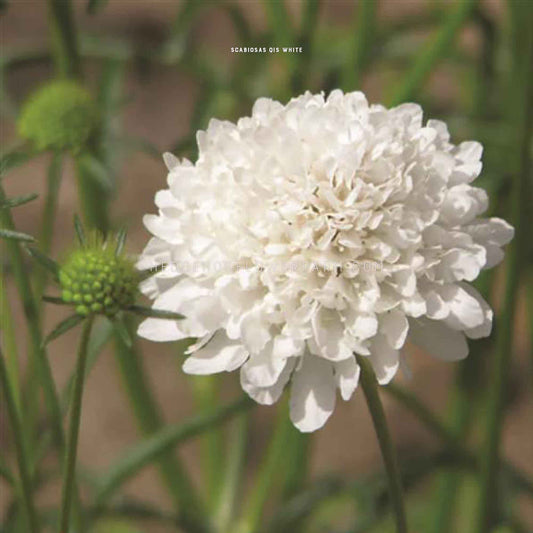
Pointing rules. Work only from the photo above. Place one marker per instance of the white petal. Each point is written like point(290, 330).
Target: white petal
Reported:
point(312, 393)
point(362, 325)
point(263, 369)
point(384, 358)
point(271, 394)
point(171, 161)
point(347, 377)
point(394, 326)
point(329, 336)
point(438, 339)
point(158, 330)
point(285, 346)
point(218, 355)
point(465, 310)
point(484, 329)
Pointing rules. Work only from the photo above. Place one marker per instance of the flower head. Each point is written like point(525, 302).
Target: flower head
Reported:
point(96, 280)
point(312, 231)
point(59, 116)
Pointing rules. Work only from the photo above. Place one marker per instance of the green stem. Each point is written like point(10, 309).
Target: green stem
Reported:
point(205, 391)
point(448, 482)
point(521, 113)
point(462, 418)
point(364, 23)
point(233, 475)
point(63, 35)
point(38, 356)
point(8, 336)
point(72, 442)
point(370, 389)
point(310, 16)
point(93, 200)
point(20, 446)
point(266, 475)
point(296, 466)
point(432, 53)
point(447, 438)
point(48, 216)
point(146, 411)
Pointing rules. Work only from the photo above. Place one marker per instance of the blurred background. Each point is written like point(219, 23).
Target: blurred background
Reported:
point(162, 69)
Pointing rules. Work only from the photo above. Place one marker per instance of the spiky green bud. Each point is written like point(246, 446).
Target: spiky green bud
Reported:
point(59, 116)
point(96, 281)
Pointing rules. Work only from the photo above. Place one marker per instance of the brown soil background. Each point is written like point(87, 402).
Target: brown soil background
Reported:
point(159, 109)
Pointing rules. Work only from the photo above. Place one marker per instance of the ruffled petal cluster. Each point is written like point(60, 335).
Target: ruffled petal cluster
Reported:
point(308, 232)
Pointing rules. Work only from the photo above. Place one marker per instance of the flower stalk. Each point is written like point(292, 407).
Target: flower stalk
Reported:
point(38, 357)
point(370, 388)
point(75, 415)
point(521, 88)
point(20, 447)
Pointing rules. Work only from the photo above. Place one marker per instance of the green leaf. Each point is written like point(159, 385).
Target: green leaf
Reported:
point(15, 235)
point(18, 200)
point(167, 438)
point(54, 300)
point(431, 53)
point(63, 327)
point(44, 261)
point(93, 6)
point(154, 313)
point(14, 158)
point(121, 240)
point(78, 226)
point(96, 171)
point(122, 332)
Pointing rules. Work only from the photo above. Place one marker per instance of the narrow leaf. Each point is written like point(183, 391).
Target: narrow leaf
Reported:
point(78, 226)
point(121, 240)
point(154, 313)
point(44, 261)
point(167, 438)
point(54, 300)
point(96, 171)
point(15, 235)
point(18, 200)
point(14, 158)
point(123, 332)
point(63, 327)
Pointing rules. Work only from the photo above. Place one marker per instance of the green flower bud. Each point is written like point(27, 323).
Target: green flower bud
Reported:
point(97, 281)
point(59, 116)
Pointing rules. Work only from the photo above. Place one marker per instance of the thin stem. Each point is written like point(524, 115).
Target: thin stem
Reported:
point(93, 200)
point(205, 392)
point(447, 438)
point(48, 216)
point(149, 419)
point(72, 442)
point(20, 447)
point(64, 41)
point(233, 475)
point(296, 466)
point(266, 475)
point(310, 17)
point(364, 23)
point(8, 336)
point(433, 52)
point(370, 389)
point(38, 355)
point(521, 113)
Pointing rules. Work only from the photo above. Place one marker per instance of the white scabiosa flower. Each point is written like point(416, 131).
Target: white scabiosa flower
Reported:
point(312, 231)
